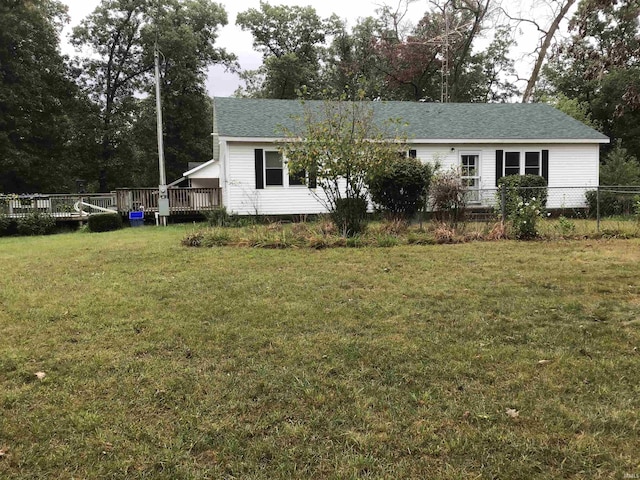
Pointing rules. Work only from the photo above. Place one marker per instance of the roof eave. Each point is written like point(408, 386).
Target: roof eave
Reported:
point(198, 168)
point(509, 140)
point(432, 141)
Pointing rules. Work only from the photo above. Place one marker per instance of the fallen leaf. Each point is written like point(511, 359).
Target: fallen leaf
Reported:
point(512, 412)
point(543, 362)
point(3, 451)
point(40, 375)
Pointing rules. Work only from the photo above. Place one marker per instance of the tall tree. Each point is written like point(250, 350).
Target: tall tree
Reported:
point(353, 62)
point(433, 61)
point(547, 28)
point(187, 51)
point(36, 98)
point(600, 67)
point(291, 40)
point(121, 35)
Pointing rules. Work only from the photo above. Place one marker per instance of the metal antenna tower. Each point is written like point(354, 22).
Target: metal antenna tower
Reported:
point(444, 86)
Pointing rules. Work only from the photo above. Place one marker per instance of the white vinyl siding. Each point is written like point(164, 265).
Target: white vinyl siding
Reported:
point(243, 198)
point(570, 165)
point(574, 165)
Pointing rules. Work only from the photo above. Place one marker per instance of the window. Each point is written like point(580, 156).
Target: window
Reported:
point(297, 178)
point(511, 163)
point(273, 169)
point(270, 171)
point(535, 163)
point(470, 173)
point(408, 153)
point(532, 163)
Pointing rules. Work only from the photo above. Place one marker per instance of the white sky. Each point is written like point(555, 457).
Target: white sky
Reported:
point(223, 84)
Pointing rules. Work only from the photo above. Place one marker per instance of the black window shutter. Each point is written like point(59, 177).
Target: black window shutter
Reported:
point(499, 161)
point(545, 165)
point(259, 168)
point(313, 178)
point(413, 154)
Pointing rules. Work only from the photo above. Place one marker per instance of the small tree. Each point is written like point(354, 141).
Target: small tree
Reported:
point(338, 144)
point(400, 188)
point(620, 168)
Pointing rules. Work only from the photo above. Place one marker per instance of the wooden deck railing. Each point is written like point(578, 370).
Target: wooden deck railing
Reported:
point(61, 206)
point(181, 200)
point(123, 200)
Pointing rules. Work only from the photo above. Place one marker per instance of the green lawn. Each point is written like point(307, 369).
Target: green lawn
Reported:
point(170, 362)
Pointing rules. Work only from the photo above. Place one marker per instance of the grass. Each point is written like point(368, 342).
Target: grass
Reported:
point(168, 362)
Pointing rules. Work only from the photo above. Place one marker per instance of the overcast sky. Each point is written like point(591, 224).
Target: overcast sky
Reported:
point(223, 84)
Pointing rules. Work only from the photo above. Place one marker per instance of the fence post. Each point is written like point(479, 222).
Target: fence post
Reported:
point(598, 209)
point(503, 201)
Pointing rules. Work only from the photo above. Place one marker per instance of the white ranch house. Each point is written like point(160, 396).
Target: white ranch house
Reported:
point(486, 141)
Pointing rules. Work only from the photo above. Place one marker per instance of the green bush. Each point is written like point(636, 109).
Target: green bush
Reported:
point(8, 226)
point(349, 215)
point(36, 224)
point(105, 222)
point(218, 217)
point(522, 189)
point(524, 219)
point(619, 167)
point(400, 189)
point(611, 203)
point(565, 227)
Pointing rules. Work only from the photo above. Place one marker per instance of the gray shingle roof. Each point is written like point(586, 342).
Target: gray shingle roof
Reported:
point(241, 117)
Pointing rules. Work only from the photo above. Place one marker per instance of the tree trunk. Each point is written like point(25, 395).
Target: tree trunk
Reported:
point(542, 54)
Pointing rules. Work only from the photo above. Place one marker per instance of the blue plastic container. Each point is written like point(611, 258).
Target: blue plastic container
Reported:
point(136, 219)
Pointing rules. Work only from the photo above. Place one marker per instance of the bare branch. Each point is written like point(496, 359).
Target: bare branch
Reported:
point(542, 54)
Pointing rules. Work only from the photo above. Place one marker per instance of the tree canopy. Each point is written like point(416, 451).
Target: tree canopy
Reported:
point(92, 116)
point(121, 36)
point(37, 97)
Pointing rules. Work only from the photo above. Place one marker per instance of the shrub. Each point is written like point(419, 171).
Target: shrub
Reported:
point(565, 227)
point(104, 222)
point(619, 167)
point(444, 233)
point(611, 203)
point(349, 215)
point(521, 189)
point(525, 218)
point(8, 226)
point(447, 194)
point(218, 217)
point(400, 188)
point(36, 224)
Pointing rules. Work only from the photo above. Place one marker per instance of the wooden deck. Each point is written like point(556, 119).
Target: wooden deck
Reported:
point(182, 201)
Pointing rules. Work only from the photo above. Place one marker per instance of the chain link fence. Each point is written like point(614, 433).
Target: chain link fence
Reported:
point(579, 210)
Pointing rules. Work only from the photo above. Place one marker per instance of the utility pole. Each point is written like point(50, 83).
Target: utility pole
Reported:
point(163, 194)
